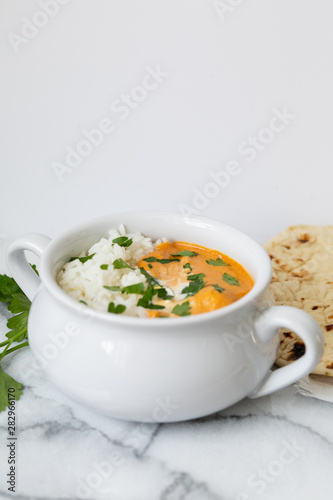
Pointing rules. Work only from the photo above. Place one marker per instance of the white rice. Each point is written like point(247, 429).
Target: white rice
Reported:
point(85, 281)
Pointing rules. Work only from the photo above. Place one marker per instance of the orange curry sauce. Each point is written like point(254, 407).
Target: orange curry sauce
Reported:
point(221, 280)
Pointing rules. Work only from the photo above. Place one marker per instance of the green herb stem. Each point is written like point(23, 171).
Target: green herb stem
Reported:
point(4, 352)
point(18, 334)
point(9, 342)
point(19, 305)
point(4, 343)
point(25, 344)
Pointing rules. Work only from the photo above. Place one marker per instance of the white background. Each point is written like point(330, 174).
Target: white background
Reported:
point(227, 72)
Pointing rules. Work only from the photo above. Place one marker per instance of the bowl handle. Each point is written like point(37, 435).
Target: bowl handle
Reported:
point(310, 332)
point(18, 265)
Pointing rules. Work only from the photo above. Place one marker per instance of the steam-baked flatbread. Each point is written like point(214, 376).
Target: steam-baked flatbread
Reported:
point(302, 260)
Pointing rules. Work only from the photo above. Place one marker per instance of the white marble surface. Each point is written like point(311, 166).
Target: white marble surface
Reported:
point(277, 447)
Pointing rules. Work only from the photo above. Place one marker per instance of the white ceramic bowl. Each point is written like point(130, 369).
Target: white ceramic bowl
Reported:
point(151, 369)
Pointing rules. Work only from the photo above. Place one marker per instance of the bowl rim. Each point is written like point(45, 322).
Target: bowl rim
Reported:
point(49, 281)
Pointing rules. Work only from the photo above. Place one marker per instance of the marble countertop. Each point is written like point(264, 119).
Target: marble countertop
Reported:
point(276, 447)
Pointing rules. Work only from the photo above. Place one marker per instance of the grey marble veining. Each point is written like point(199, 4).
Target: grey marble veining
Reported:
point(277, 447)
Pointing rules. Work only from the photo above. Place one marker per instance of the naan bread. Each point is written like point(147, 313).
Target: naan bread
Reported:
point(302, 260)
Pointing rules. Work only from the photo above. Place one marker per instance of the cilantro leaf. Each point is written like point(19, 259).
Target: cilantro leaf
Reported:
point(18, 325)
point(183, 309)
point(19, 303)
point(137, 288)
point(82, 259)
point(162, 293)
point(194, 277)
point(123, 241)
point(230, 279)
point(121, 264)
point(161, 261)
point(120, 308)
point(8, 382)
point(145, 300)
point(185, 253)
point(194, 287)
point(8, 287)
point(104, 266)
point(188, 266)
point(218, 288)
point(148, 305)
point(112, 288)
point(217, 262)
point(34, 268)
point(151, 281)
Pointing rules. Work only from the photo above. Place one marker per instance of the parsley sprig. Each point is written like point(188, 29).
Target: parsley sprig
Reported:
point(17, 336)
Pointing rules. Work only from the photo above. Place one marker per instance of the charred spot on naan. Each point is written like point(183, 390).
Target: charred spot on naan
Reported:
point(297, 351)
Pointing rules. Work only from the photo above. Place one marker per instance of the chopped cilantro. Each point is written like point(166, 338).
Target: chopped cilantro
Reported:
point(167, 261)
point(188, 266)
point(120, 308)
point(121, 264)
point(147, 297)
point(104, 266)
point(137, 288)
point(145, 300)
point(112, 288)
point(162, 293)
point(230, 279)
point(82, 259)
point(183, 309)
point(161, 261)
point(194, 277)
point(149, 305)
point(151, 281)
point(217, 262)
point(123, 241)
point(83, 302)
point(150, 266)
point(218, 288)
point(194, 287)
point(185, 253)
